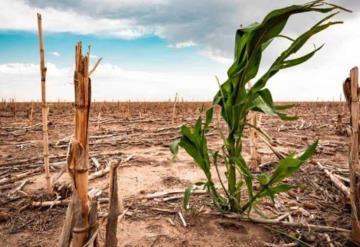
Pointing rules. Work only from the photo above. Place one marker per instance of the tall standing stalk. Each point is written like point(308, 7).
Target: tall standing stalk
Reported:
point(354, 155)
point(44, 106)
point(77, 229)
point(79, 150)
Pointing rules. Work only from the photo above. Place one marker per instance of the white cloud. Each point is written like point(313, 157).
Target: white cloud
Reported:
point(55, 53)
point(216, 55)
point(210, 24)
point(184, 44)
point(17, 15)
point(22, 81)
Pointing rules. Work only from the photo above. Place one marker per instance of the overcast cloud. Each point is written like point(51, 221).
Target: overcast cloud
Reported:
point(208, 25)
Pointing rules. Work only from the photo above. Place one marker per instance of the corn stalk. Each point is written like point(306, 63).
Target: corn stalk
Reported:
point(77, 219)
point(111, 225)
point(174, 109)
point(31, 115)
point(79, 150)
point(237, 101)
point(354, 154)
point(255, 158)
point(44, 107)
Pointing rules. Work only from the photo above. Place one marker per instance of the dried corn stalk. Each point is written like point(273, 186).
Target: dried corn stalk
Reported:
point(78, 158)
point(111, 226)
point(44, 106)
point(354, 154)
point(174, 109)
point(31, 115)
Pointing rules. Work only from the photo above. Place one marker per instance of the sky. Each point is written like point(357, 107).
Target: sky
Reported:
point(153, 49)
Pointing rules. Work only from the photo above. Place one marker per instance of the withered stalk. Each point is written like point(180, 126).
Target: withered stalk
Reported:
point(174, 109)
point(111, 226)
point(78, 160)
point(354, 155)
point(44, 107)
point(78, 222)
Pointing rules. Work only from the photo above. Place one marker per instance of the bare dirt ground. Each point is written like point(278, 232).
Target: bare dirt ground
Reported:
point(139, 134)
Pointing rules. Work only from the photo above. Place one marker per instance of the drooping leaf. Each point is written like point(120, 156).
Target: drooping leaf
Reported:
point(281, 188)
point(289, 165)
point(296, 61)
point(297, 44)
point(310, 151)
point(265, 104)
point(284, 107)
point(194, 146)
point(272, 191)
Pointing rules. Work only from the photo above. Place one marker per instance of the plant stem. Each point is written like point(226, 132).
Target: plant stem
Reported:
point(232, 174)
point(78, 160)
point(249, 203)
point(44, 107)
point(221, 182)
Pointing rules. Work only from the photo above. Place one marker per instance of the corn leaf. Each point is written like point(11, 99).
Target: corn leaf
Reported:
point(174, 148)
point(186, 199)
point(289, 165)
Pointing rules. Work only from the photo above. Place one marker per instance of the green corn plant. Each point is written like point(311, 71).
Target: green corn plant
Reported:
point(236, 100)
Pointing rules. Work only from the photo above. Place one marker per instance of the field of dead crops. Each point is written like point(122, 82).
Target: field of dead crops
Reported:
point(151, 182)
